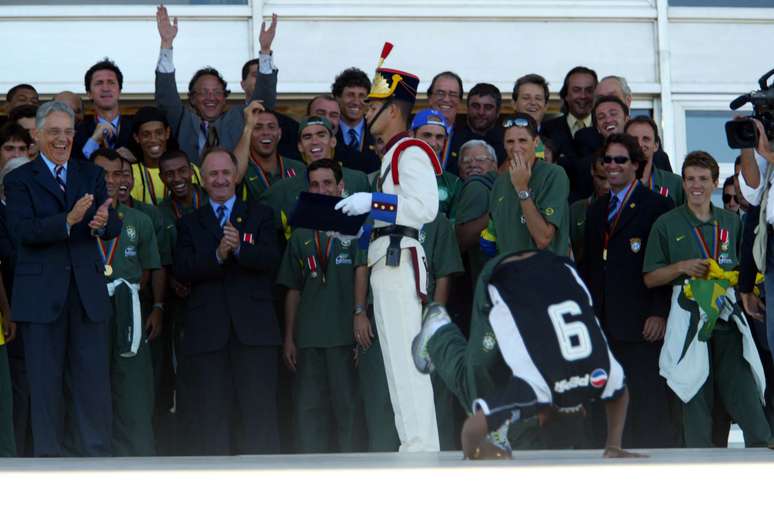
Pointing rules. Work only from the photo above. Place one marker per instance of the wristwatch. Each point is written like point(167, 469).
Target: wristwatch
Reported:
point(359, 309)
point(524, 195)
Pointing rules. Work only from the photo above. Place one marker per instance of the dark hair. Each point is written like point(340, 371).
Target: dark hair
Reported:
point(350, 77)
point(572, 72)
point(484, 89)
point(531, 79)
point(632, 147)
point(207, 71)
point(326, 163)
point(701, 159)
point(147, 114)
point(609, 99)
point(106, 153)
point(171, 154)
point(14, 89)
point(327, 97)
point(105, 64)
point(218, 149)
point(12, 131)
point(23, 111)
point(531, 126)
point(551, 146)
point(738, 161)
point(247, 65)
point(447, 73)
point(643, 119)
point(729, 182)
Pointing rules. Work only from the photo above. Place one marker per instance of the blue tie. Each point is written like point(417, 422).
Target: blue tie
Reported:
point(221, 213)
point(58, 170)
point(611, 208)
point(353, 141)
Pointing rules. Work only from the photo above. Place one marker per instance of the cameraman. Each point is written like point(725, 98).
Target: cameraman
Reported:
point(755, 182)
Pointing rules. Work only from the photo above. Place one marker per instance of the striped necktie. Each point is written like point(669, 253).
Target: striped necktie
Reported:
point(354, 143)
point(221, 213)
point(58, 170)
point(612, 208)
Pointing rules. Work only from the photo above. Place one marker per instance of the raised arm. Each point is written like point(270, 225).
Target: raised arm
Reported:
point(166, 95)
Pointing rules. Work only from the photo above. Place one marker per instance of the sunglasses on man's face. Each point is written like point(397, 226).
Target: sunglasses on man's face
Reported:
point(518, 123)
point(727, 198)
point(620, 160)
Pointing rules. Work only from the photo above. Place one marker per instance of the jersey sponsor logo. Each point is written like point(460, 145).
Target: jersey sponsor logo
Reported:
point(635, 244)
point(130, 251)
point(343, 259)
point(562, 386)
point(724, 259)
point(598, 378)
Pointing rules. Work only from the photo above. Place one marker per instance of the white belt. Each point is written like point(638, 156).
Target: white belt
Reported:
point(136, 314)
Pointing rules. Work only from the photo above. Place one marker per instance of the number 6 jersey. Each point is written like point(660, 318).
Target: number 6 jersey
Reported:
point(548, 335)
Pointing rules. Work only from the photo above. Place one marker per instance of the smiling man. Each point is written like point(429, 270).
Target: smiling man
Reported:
point(354, 142)
point(107, 128)
point(632, 315)
point(55, 206)
point(698, 360)
point(664, 182)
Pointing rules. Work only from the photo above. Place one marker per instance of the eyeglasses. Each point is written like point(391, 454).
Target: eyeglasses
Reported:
point(480, 160)
point(617, 159)
point(518, 123)
point(727, 198)
point(208, 93)
point(443, 93)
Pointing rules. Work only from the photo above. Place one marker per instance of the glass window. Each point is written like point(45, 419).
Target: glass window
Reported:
point(705, 130)
point(721, 3)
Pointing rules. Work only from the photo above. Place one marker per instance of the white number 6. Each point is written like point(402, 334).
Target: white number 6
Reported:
point(565, 331)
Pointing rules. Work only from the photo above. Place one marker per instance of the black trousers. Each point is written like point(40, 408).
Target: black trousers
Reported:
point(228, 400)
point(76, 344)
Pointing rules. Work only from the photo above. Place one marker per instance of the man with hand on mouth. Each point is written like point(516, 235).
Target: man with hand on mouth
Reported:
point(260, 163)
point(151, 134)
point(130, 260)
point(107, 128)
point(680, 247)
point(664, 182)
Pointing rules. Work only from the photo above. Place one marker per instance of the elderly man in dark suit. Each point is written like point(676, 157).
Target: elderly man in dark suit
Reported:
point(633, 316)
point(228, 363)
point(55, 207)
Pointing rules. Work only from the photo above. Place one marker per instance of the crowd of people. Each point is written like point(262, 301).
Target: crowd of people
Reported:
point(158, 299)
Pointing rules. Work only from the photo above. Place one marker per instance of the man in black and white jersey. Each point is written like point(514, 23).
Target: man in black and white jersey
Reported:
point(535, 308)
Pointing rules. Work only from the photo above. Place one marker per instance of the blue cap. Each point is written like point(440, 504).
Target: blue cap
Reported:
point(429, 116)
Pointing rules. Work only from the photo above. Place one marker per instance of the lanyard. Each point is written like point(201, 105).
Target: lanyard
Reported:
point(614, 223)
point(179, 209)
point(716, 238)
point(148, 185)
point(319, 253)
point(265, 178)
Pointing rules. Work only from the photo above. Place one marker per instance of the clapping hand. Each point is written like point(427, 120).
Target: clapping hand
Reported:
point(100, 218)
point(229, 243)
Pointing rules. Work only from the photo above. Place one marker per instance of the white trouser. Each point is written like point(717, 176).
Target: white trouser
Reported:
point(398, 313)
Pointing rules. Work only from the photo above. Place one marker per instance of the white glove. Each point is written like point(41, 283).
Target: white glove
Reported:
point(356, 204)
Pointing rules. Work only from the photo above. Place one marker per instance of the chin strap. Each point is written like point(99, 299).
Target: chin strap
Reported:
point(378, 114)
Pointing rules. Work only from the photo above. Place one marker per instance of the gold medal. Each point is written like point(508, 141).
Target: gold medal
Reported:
point(108, 270)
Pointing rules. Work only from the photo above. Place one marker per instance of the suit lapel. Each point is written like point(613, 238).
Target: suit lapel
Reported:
point(238, 213)
point(630, 209)
point(74, 179)
point(209, 222)
point(45, 179)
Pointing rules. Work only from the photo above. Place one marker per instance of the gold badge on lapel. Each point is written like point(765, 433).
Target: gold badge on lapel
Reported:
point(239, 219)
point(635, 244)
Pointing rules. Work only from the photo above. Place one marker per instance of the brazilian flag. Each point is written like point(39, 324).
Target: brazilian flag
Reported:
point(710, 296)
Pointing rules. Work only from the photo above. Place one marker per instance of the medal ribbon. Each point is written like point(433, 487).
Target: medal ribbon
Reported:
point(108, 252)
point(705, 249)
point(614, 223)
point(149, 185)
point(196, 204)
point(318, 252)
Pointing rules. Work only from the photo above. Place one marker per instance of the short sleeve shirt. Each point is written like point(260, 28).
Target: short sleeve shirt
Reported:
point(674, 237)
point(449, 189)
point(550, 187)
point(324, 317)
point(257, 181)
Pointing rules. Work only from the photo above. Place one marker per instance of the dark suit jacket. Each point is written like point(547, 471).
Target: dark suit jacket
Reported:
point(621, 300)
point(7, 268)
point(365, 160)
point(236, 293)
point(85, 129)
point(571, 160)
point(47, 257)
point(558, 131)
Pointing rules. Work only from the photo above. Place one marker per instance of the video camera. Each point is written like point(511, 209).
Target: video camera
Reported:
point(743, 133)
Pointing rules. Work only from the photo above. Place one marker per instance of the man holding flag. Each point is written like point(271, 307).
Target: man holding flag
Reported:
point(708, 345)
